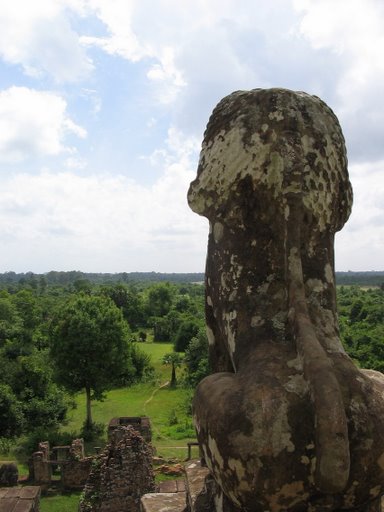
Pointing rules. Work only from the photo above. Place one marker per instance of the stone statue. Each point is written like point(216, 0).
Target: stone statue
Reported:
point(287, 422)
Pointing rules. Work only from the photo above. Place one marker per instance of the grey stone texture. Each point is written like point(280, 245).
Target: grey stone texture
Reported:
point(286, 422)
point(9, 474)
point(74, 466)
point(120, 475)
point(20, 499)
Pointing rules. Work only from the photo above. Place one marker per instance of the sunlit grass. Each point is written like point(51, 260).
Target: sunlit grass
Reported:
point(67, 502)
point(155, 400)
point(144, 399)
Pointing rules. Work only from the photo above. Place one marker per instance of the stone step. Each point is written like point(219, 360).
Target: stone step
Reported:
point(164, 502)
point(172, 486)
point(198, 496)
point(19, 499)
point(181, 496)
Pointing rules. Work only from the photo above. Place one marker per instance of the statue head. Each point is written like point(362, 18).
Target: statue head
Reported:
point(283, 145)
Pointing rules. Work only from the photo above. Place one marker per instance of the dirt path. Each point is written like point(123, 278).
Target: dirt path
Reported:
point(153, 394)
point(154, 429)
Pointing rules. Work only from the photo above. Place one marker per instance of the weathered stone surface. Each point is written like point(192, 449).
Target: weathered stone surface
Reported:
point(75, 473)
point(141, 424)
point(42, 470)
point(286, 422)
point(20, 499)
point(170, 470)
point(74, 466)
point(164, 502)
point(9, 474)
point(121, 474)
point(199, 497)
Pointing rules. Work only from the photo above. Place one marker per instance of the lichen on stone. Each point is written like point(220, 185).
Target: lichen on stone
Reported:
point(283, 420)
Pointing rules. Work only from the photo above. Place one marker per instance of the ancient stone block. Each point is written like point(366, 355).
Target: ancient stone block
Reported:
point(42, 470)
point(20, 499)
point(9, 475)
point(140, 423)
point(164, 502)
point(75, 473)
point(76, 450)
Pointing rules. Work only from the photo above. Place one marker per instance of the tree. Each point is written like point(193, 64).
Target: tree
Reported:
point(29, 398)
point(129, 301)
point(159, 299)
point(90, 347)
point(44, 404)
point(196, 358)
point(11, 415)
point(11, 324)
point(175, 360)
point(187, 330)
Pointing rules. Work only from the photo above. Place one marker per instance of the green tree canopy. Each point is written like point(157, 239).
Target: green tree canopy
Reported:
point(160, 299)
point(29, 397)
point(11, 415)
point(90, 346)
point(187, 330)
point(129, 301)
point(11, 324)
point(196, 358)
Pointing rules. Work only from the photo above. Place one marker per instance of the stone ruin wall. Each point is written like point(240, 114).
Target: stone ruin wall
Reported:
point(75, 473)
point(120, 475)
point(74, 467)
point(140, 423)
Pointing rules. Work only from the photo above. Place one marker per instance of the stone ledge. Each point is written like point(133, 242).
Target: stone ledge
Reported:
point(19, 499)
point(172, 486)
point(195, 477)
point(164, 502)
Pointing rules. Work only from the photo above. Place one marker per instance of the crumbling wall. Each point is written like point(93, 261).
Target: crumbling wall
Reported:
point(120, 475)
point(74, 466)
point(140, 423)
point(75, 473)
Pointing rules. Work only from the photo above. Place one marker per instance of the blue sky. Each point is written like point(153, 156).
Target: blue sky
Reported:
point(103, 105)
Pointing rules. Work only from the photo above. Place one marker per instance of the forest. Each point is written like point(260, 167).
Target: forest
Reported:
point(56, 340)
point(59, 333)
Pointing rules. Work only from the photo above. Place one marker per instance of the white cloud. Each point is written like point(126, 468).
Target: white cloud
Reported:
point(102, 222)
point(121, 39)
point(352, 30)
point(168, 78)
point(360, 245)
point(38, 36)
point(184, 43)
point(187, 56)
point(33, 123)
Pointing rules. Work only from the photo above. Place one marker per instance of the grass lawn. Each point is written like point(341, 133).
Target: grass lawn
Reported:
point(157, 401)
point(144, 399)
point(166, 408)
point(67, 502)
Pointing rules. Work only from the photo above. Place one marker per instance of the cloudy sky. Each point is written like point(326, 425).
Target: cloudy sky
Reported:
point(103, 104)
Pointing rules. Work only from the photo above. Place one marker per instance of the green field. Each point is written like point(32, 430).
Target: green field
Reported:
point(157, 401)
point(67, 502)
point(154, 399)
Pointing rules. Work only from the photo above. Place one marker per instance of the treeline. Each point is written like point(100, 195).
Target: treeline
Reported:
point(361, 319)
point(68, 278)
point(371, 278)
